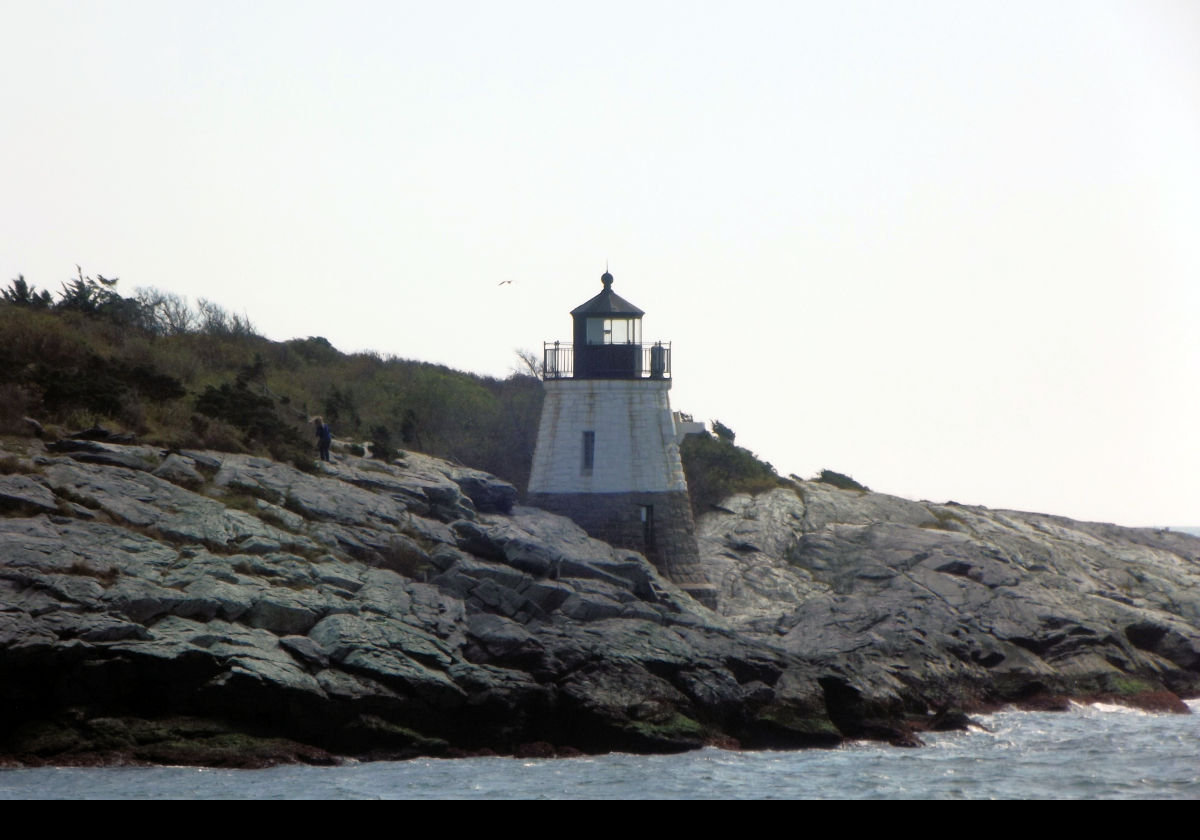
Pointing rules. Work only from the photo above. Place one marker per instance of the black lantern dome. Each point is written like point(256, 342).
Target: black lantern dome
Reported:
point(608, 336)
point(607, 343)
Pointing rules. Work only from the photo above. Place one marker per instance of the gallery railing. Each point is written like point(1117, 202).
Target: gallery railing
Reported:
point(606, 361)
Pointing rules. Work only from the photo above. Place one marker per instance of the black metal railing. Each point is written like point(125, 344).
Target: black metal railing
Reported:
point(560, 360)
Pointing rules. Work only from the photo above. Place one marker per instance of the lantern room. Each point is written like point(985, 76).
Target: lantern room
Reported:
point(607, 343)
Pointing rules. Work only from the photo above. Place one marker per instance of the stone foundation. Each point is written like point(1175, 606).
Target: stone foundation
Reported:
point(617, 518)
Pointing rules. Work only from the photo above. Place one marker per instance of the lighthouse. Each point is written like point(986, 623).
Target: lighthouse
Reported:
point(607, 454)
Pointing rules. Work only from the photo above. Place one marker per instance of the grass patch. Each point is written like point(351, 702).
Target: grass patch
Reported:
point(71, 496)
point(12, 465)
point(406, 557)
point(671, 728)
point(107, 576)
point(244, 568)
point(946, 521)
point(245, 497)
point(1125, 685)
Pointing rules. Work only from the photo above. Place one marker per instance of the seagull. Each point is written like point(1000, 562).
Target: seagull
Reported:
point(504, 283)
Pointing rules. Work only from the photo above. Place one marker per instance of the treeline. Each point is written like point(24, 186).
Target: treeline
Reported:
point(180, 375)
point(150, 310)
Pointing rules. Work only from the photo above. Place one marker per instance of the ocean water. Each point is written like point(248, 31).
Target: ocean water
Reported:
point(1089, 752)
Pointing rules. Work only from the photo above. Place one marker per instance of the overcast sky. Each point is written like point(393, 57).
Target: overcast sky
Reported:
point(951, 249)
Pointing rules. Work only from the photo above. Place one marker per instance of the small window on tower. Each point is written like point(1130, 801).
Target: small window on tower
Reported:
point(589, 451)
point(647, 515)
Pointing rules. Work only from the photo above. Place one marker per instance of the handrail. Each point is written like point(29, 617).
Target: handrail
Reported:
point(607, 361)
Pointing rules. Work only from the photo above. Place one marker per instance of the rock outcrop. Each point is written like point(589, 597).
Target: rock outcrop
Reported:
point(225, 609)
point(203, 607)
point(949, 605)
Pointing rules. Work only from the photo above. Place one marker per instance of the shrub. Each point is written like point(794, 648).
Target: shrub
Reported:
point(716, 469)
point(314, 349)
point(215, 434)
point(842, 482)
point(16, 403)
point(11, 465)
point(723, 432)
point(241, 407)
point(36, 337)
point(381, 444)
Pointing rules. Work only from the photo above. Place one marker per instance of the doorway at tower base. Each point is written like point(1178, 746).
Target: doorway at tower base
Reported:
point(659, 525)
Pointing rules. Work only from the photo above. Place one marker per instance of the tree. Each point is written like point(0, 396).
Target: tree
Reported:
point(97, 297)
point(21, 293)
point(723, 432)
point(410, 431)
point(88, 295)
point(167, 313)
point(529, 364)
point(214, 320)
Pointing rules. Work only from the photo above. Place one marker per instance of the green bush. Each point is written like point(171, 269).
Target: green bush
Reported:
point(716, 469)
point(238, 405)
point(842, 482)
point(381, 444)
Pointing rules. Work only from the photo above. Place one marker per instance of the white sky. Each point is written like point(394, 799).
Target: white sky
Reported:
point(951, 249)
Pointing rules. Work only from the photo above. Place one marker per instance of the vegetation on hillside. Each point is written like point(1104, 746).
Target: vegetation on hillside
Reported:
point(180, 375)
point(716, 469)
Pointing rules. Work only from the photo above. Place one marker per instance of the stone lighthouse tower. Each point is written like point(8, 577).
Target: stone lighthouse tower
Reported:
point(607, 454)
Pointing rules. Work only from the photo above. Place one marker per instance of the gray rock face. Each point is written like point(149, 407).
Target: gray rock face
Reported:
point(23, 491)
point(113, 455)
point(957, 602)
point(369, 609)
point(385, 610)
point(181, 470)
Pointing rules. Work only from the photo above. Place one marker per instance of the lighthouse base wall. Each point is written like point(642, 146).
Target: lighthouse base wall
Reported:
point(631, 432)
point(659, 525)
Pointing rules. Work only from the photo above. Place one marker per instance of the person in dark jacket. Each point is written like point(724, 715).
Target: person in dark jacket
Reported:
point(324, 437)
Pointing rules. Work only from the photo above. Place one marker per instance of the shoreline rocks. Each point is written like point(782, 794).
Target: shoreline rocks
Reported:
point(960, 605)
point(212, 608)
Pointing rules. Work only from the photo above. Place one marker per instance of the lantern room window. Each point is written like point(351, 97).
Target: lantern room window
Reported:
point(614, 331)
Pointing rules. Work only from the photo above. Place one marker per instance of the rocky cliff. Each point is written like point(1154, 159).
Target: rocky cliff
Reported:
point(948, 605)
point(224, 609)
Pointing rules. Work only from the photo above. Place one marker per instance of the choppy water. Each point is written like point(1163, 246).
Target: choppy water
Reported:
point(1089, 752)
